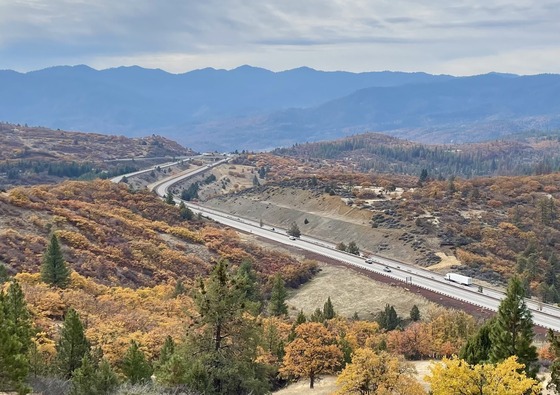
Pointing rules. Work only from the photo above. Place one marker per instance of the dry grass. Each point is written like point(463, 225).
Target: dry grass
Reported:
point(352, 292)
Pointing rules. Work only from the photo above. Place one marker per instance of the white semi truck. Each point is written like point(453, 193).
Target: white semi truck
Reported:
point(458, 278)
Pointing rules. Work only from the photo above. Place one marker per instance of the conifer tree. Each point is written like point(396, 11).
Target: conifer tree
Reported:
point(388, 318)
point(167, 350)
point(353, 248)
point(477, 348)
point(135, 366)
point(179, 288)
point(294, 230)
point(301, 318)
point(328, 309)
point(512, 334)
point(246, 280)
point(15, 340)
point(415, 313)
point(221, 352)
point(277, 305)
point(72, 345)
point(169, 199)
point(3, 274)
point(54, 270)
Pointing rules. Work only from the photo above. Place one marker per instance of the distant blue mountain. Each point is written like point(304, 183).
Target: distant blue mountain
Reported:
point(255, 108)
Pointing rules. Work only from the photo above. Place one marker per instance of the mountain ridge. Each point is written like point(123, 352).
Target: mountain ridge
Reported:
point(254, 108)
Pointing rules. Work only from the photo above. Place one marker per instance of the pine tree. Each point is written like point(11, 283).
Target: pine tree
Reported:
point(328, 309)
point(477, 348)
point(415, 313)
point(54, 270)
point(167, 350)
point(353, 248)
point(301, 318)
point(169, 199)
point(72, 345)
point(388, 318)
point(179, 288)
point(246, 280)
point(185, 212)
point(135, 366)
point(294, 230)
point(107, 379)
point(512, 334)
point(84, 379)
point(15, 340)
point(277, 305)
point(554, 340)
point(3, 274)
point(222, 349)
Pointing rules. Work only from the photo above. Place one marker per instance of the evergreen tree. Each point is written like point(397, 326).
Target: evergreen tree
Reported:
point(185, 212)
point(72, 345)
point(135, 366)
point(167, 350)
point(15, 340)
point(328, 309)
point(317, 316)
point(222, 349)
point(301, 318)
point(246, 279)
point(423, 177)
point(169, 199)
point(388, 318)
point(554, 340)
point(84, 380)
point(277, 305)
point(294, 230)
point(3, 274)
point(107, 379)
point(477, 348)
point(415, 313)
point(512, 333)
point(179, 288)
point(353, 248)
point(54, 270)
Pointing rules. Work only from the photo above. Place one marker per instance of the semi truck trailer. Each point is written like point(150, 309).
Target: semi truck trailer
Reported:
point(458, 278)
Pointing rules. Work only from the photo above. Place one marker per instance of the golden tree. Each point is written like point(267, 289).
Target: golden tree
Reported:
point(313, 352)
point(378, 373)
point(455, 376)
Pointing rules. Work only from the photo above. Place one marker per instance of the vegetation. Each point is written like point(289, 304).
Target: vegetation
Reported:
point(512, 332)
point(455, 376)
point(54, 270)
point(15, 339)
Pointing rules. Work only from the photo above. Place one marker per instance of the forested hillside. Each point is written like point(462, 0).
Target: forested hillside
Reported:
point(523, 154)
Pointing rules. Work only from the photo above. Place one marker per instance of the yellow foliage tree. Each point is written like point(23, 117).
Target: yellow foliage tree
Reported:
point(313, 352)
point(378, 374)
point(455, 376)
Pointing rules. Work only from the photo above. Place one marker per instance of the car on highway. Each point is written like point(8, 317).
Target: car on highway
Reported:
point(369, 260)
point(386, 269)
point(293, 238)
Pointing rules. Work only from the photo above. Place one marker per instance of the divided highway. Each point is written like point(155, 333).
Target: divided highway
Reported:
point(544, 315)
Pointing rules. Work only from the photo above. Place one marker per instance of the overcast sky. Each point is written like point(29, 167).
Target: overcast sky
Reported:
point(438, 36)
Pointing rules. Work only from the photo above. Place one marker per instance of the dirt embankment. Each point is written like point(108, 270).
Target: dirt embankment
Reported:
point(325, 217)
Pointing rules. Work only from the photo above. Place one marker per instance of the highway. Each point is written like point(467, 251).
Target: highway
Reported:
point(545, 315)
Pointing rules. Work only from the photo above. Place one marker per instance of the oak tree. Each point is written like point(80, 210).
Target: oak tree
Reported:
point(313, 352)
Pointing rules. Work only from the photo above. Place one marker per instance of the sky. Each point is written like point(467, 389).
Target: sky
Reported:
point(460, 37)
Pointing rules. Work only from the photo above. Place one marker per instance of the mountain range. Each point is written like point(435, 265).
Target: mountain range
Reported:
point(254, 108)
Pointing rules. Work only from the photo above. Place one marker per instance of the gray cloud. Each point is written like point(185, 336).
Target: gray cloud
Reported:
point(179, 35)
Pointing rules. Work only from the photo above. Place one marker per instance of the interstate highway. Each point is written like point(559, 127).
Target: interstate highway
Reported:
point(545, 315)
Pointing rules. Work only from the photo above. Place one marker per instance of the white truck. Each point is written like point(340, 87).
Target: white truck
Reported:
point(458, 278)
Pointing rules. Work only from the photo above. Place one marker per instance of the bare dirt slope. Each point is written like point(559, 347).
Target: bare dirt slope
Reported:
point(328, 218)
